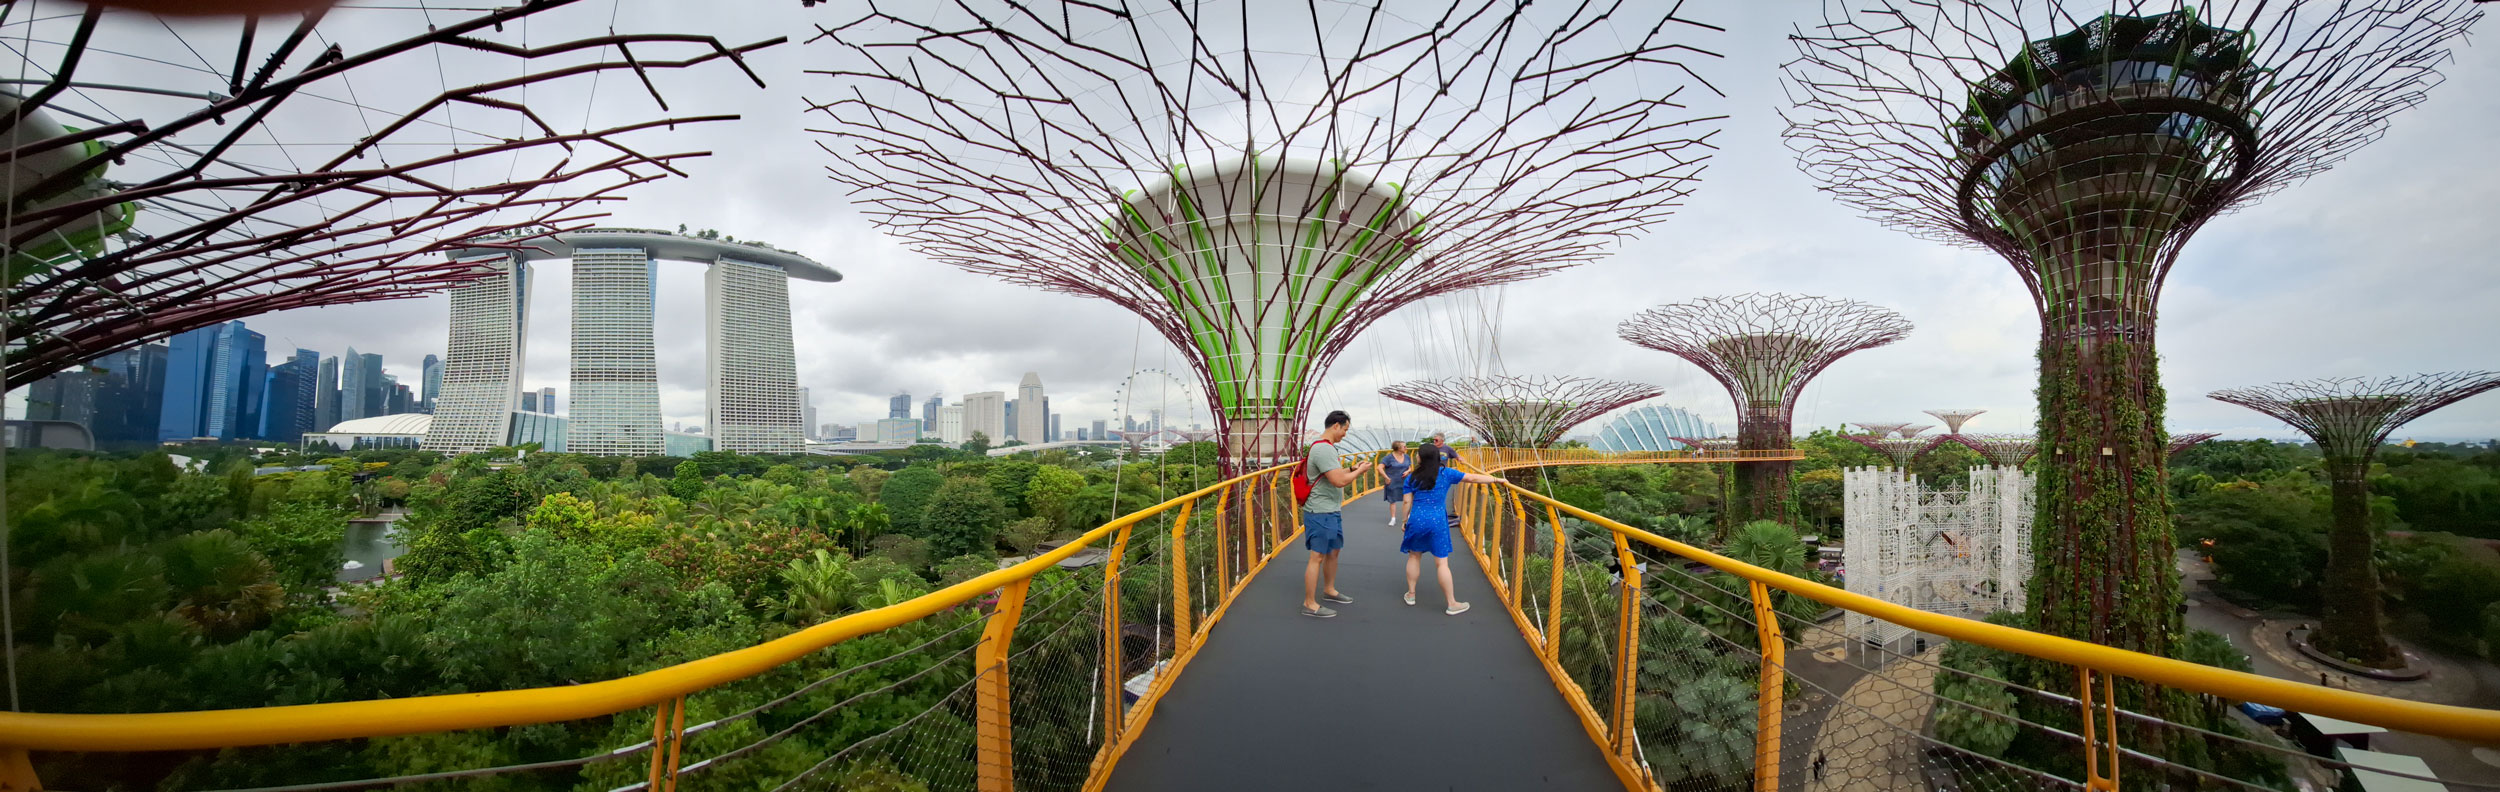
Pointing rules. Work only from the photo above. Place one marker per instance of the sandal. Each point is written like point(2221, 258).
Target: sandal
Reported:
point(1410, 598)
point(1461, 608)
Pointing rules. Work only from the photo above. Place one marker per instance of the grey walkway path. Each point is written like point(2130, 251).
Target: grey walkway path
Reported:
point(1384, 696)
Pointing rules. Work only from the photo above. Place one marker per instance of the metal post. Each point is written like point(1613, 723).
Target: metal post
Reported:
point(1223, 501)
point(17, 772)
point(668, 739)
point(1180, 581)
point(1519, 548)
point(1111, 651)
point(1627, 655)
point(1553, 600)
point(2100, 745)
point(1766, 736)
point(993, 752)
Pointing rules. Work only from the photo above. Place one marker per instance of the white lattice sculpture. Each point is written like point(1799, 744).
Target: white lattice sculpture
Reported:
point(1964, 552)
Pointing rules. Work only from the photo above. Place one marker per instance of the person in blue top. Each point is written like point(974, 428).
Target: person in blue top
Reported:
point(1427, 520)
point(1393, 467)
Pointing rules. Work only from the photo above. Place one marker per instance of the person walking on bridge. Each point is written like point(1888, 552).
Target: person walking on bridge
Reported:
point(1428, 521)
point(1393, 467)
point(1323, 518)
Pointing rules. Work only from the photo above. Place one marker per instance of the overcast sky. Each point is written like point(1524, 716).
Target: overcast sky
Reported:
point(2383, 266)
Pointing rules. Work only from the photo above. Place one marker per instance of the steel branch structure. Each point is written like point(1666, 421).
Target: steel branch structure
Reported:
point(1764, 348)
point(1912, 430)
point(2001, 450)
point(1261, 193)
point(1953, 419)
point(2350, 417)
point(1519, 412)
point(1881, 429)
point(2182, 442)
point(2086, 142)
point(149, 196)
point(1902, 450)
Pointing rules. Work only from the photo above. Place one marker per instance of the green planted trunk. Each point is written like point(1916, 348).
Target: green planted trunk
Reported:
point(1763, 489)
point(2102, 547)
point(2353, 628)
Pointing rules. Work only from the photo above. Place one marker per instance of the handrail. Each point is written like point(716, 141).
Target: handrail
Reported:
point(165, 731)
point(2442, 720)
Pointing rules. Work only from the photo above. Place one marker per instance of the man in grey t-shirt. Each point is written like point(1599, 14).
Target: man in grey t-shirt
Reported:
point(1323, 520)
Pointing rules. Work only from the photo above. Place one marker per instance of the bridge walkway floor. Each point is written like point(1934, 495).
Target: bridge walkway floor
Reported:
point(1384, 696)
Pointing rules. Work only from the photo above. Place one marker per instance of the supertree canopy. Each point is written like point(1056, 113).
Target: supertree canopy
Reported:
point(268, 167)
point(2350, 418)
point(2086, 142)
point(1953, 419)
point(2001, 450)
point(1881, 429)
point(1519, 412)
point(1260, 193)
point(1764, 348)
point(1912, 430)
point(2182, 442)
point(1901, 450)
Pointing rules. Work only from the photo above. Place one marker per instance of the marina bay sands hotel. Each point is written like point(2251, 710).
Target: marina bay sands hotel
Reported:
point(753, 403)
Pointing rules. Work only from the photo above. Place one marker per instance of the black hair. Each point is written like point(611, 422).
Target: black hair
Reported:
point(1427, 471)
point(1336, 417)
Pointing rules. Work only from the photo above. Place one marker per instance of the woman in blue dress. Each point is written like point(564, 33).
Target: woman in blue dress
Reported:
point(1427, 521)
point(1393, 466)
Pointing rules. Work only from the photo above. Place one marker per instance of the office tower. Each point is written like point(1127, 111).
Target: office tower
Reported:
point(204, 382)
point(929, 411)
point(529, 401)
point(482, 362)
point(1010, 421)
point(69, 395)
point(986, 414)
point(403, 399)
point(950, 425)
point(433, 384)
point(616, 386)
point(291, 401)
point(376, 385)
point(807, 413)
point(129, 399)
point(326, 395)
point(547, 400)
point(898, 430)
point(1154, 420)
point(1102, 430)
point(1053, 435)
point(242, 374)
point(899, 406)
point(754, 365)
point(351, 386)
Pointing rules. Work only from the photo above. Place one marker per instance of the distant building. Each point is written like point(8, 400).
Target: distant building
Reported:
point(290, 400)
point(131, 399)
point(899, 406)
point(1652, 428)
point(212, 377)
point(1053, 436)
point(929, 410)
point(69, 396)
point(1102, 431)
point(547, 400)
point(867, 433)
point(986, 414)
point(898, 430)
point(433, 384)
point(950, 425)
point(326, 395)
point(529, 401)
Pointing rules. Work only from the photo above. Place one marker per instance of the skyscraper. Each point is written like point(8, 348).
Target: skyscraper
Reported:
point(402, 399)
point(754, 399)
point(482, 364)
point(950, 425)
point(433, 384)
point(807, 413)
point(1053, 435)
point(326, 396)
point(986, 414)
point(929, 411)
point(547, 400)
point(899, 406)
point(131, 397)
point(529, 401)
point(1032, 412)
point(374, 384)
point(205, 391)
point(1009, 422)
point(291, 400)
point(1102, 430)
point(616, 385)
point(66, 396)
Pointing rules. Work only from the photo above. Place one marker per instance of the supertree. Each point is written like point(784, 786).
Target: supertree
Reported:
point(1953, 419)
point(2001, 450)
point(2180, 443)
point(1262, 193)
point(2086, 148)
point(1880, 429)
point(150, 196)
point(1519, 412)
point(2350, 417)
point(1764, 348)
point(1901, 450)
point(1912, 430)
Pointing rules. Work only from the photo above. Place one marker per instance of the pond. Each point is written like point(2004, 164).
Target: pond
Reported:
point(369, 543)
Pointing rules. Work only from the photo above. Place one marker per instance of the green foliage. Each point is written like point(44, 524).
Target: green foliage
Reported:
point(1202, 453)
point(1025, 534)
point(1007, 478)
point(561, 613)
point(965, 567)
point(906, 497)
point(2268, 540)
point(908, 552)
point(978, 446)
point(563, 516)
point(302, 541)
point(1981, 722)
point(962, 518)
point(688, 483)
point(1051, 496)
point(821, 587)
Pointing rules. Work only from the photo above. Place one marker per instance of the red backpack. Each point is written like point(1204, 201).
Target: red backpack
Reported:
point(1302, 477)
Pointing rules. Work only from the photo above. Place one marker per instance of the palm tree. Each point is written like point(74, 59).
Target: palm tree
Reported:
point(221, 584)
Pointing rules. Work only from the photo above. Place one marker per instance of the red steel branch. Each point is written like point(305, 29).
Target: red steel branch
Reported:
point(1520, 412)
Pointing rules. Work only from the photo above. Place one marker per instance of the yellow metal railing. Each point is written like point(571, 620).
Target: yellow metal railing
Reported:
point(1034, 695)
point(1603, 625)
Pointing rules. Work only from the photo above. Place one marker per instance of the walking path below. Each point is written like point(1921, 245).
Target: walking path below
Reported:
point(1384, 696)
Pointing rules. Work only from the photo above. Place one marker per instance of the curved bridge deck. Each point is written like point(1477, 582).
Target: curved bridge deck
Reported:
point(1384, 696)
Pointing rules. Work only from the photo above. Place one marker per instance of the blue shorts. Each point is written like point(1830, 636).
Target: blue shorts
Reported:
point(1426, 540)
point(1323, 532)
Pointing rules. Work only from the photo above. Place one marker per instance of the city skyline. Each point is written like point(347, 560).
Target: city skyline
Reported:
point(2241, 312)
